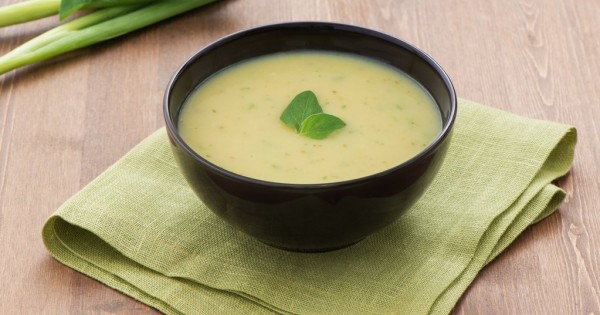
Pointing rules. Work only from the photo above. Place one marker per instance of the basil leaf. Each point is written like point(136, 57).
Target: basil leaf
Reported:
point(301, 107)
point(321, 125)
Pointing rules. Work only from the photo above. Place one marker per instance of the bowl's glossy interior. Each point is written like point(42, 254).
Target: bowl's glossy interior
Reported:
point(310, 217)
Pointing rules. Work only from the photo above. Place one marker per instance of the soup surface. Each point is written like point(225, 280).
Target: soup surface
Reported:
point(232, 119)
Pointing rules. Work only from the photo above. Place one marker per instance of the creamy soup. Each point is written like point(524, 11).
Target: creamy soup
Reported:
point(232, 119)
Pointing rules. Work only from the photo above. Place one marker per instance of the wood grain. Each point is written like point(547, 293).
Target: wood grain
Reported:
point(62, 122)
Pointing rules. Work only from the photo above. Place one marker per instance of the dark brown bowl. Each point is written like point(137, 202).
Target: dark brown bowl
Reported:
point(310, 217)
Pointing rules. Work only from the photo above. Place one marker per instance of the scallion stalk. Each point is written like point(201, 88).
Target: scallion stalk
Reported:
point(30, 10)
point(96, 27)
point(27, 11)
point(68, 7)
point(65, 30)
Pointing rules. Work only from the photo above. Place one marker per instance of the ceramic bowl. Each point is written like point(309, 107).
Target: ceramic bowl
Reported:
point(310, 217)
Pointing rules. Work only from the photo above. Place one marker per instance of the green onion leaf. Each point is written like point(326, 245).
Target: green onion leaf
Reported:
point(68, 7)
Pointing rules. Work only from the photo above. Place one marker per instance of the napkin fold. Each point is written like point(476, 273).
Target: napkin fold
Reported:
point(140, 229)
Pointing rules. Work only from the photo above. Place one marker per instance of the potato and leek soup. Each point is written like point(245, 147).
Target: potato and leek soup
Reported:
point(235, 118)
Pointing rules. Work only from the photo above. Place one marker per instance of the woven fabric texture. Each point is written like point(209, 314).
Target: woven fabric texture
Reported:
point(140, 229)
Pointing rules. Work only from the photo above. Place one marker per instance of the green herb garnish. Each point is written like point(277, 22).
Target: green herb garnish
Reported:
point(306, 116)
point(321, 125)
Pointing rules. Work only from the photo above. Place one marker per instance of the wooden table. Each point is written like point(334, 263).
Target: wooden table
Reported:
point(65, 121)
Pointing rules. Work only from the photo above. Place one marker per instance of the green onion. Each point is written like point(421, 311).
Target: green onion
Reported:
point(59, 40)
point(27, 11)
point(36, 9)
point(61, 32)
point(68, 7)
point(93, 28)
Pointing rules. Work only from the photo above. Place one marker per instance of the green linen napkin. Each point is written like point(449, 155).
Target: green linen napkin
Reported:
point(139, 229)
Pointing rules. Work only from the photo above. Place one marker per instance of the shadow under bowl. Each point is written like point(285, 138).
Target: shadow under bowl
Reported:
point(310, 217)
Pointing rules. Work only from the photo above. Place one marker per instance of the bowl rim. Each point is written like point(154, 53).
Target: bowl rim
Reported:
point(440, 138)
